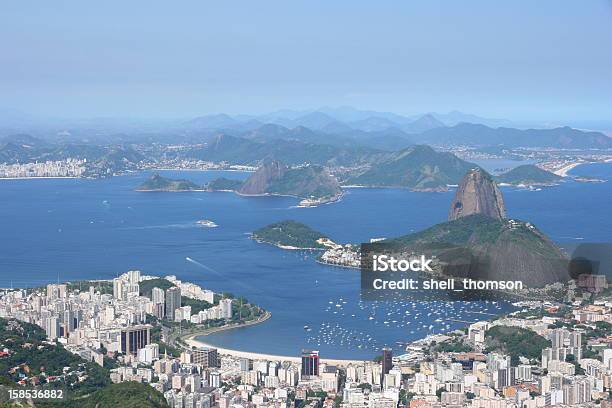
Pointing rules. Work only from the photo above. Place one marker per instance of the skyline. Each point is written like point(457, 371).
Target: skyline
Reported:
point(72, 61)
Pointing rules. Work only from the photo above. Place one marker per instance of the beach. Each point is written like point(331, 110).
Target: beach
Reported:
point(563, 171)
point(192, 341)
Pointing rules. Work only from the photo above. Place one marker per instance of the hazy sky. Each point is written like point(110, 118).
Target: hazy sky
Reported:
point(514, 59)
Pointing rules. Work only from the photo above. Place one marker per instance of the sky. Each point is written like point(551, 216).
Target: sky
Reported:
point(505, 59)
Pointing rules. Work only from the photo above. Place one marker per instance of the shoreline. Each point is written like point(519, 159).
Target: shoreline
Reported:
point(192, 341)
point(40, 177)
point(563, 171)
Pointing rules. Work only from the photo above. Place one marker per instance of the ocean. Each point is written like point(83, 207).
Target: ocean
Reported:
point(75, 229)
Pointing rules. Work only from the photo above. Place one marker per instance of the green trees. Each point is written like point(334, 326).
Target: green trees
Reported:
point(516, 342)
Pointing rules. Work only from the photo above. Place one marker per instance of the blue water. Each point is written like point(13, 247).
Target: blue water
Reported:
point(70, 229)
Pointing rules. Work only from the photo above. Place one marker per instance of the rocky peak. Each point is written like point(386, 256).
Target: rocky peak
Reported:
point(259, 181)
point(477, 194)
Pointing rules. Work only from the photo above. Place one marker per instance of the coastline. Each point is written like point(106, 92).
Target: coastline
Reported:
point(563, 171)
point(191, 341)
point(40, 177)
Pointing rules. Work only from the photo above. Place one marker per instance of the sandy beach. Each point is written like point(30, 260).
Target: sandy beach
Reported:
point(191, 341)
point(563, 171)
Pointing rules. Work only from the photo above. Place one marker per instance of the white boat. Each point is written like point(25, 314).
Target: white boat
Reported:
point(206, 223)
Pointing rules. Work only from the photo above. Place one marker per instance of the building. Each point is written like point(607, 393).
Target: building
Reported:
point(134, 338)
point(310, 363)
point(173, 301)
point(387, 362)
point(226, 308)
point(206, 357)
point(158, 296)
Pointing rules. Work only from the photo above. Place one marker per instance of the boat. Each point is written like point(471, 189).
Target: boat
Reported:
point(206, 223)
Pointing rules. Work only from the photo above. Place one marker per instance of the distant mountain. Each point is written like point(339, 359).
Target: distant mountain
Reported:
point(348, 114)
point(159, 183)
point(373, 124)
point(477, 194)
point(238, 150)
point(418, 168)
point(481, 135)
point(455, 117)
point(115, 159)
point(528, 174)
point(14, 153)
point(217, 121)
point(422, 124)
point(314, 120)
point(24, 140)
point(273, 177)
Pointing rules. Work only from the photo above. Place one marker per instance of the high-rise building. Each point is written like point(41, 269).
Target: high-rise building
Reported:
point(173, 301)
point(134, 338)
point(118, 291)
point(206, 357)
point(246, 364)
point(56, 291)
point(226, 308)
point(387, 360)
point(52, 327)
point(133, 277)
point(310, 363)
point(157, 295)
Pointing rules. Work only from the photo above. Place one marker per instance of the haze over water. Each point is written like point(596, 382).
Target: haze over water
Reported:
point(96, 229)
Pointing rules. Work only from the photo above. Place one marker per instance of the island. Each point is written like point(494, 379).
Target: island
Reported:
point(312, 184)
point(528, 175)
point(159, 183)
point(291, 234)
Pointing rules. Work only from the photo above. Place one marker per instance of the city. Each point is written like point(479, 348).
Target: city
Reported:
point(544, 354)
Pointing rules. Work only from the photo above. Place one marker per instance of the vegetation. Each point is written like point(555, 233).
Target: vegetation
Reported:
point(34, 361)
point(418, 167)
point(104, 287)
point(306, 182)
point(159, 183)
point(528, 174)
point(491, 248)
point(146, 286)
point(223, 184)
point(126, 394)
point(289, 233)
point(454, 346)
point(516, 342)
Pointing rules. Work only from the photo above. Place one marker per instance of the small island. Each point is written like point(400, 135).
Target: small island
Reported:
point(291, 234)
point(313, 185)
point(159, 183)
point(528, 175)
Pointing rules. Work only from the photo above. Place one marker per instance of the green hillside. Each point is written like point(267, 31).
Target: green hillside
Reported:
point(528, 174)
point(159, 183)
point(418, 168)
point(289, 233)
